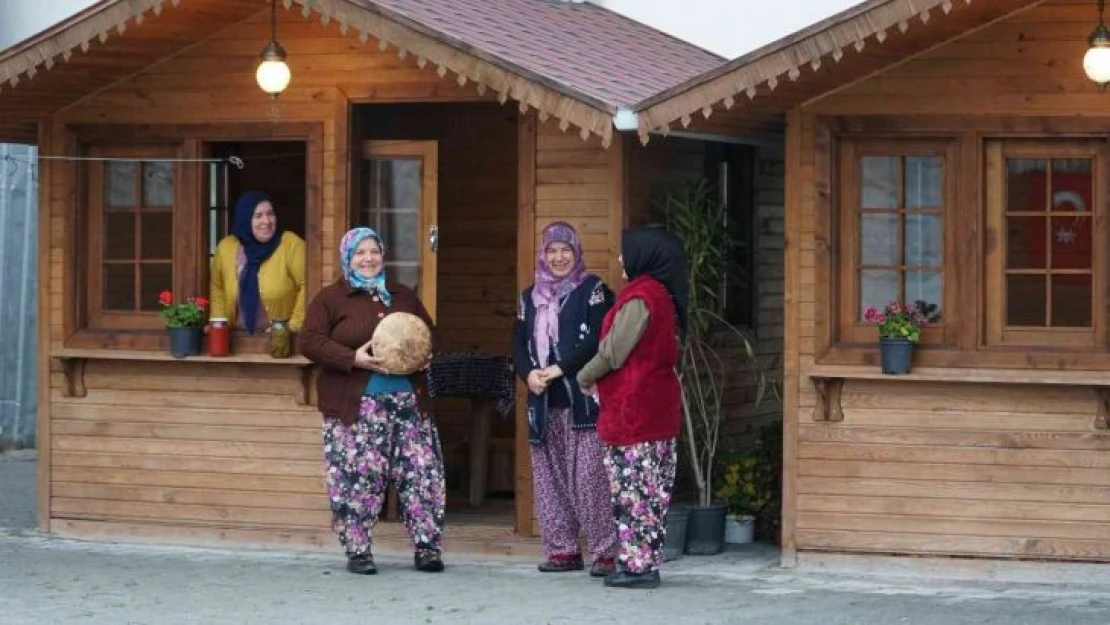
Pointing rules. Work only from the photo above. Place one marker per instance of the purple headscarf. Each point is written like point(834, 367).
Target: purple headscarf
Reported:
point(548, 294)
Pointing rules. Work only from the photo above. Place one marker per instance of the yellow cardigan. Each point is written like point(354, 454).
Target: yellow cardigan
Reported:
point(280, 281)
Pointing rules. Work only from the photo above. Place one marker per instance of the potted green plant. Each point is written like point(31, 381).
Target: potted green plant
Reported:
point(899, 330)
point(740, 492)
point(184, 323)
point(691, 212)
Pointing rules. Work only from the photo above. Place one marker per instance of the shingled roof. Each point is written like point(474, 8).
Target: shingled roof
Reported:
point(589, 49)
point(576, 61)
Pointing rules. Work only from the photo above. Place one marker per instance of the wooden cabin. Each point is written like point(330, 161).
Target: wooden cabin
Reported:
point(474, 123)
point(956, 152)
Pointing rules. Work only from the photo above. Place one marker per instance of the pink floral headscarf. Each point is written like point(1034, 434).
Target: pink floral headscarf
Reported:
point(549, 291)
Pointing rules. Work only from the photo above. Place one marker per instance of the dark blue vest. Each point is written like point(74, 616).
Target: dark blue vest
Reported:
point(572, 319)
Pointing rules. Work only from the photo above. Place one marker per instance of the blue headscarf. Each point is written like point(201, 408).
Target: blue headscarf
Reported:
point(347, 249)
point(255, 251)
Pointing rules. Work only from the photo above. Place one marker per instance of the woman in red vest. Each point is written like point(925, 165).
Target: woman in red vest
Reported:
point(641, 400)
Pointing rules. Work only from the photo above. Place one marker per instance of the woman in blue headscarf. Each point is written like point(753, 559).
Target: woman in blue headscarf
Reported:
point(377, 426)
point(258, 270)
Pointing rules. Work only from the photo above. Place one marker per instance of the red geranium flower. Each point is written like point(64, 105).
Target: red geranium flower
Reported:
point(165, 298)
point(202, 301)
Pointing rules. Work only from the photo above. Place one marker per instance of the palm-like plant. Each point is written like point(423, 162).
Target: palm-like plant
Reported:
point(691, 213)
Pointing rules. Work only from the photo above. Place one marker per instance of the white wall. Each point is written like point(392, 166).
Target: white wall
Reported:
point(19, 19)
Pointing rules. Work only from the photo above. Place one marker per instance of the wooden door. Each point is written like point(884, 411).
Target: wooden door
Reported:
point(398, 189)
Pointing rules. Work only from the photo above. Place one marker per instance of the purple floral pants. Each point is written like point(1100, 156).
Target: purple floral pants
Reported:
point(571, 491)
point(390, 441)
point(641, 477)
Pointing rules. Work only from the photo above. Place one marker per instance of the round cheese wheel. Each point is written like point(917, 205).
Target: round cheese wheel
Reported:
point(403, 342)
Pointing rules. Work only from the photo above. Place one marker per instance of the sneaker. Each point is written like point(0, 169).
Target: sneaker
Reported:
point(603, 567)
point(362, 564)
point(428, 560)
point(624, 579)
point(561, 564)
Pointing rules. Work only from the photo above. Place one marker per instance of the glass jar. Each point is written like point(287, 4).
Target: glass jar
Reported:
point(219, 337)
point(281, 339)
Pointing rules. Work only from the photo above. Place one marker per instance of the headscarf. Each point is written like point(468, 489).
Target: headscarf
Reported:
point(652, 251)
point(347, 249)
point(255, 251)
point(549, 291)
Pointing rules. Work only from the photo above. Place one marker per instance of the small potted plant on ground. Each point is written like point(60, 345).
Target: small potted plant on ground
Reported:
point(741, 493)
point(899, 330)
point(184, 323)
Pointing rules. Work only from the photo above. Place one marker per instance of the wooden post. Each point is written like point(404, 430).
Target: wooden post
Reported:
point(481, 415)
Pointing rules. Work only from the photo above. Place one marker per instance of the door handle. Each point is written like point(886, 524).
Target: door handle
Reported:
point(433, 239)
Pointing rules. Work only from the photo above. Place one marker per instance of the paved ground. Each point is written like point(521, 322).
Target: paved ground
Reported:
point(17, 489)
point(50, 580)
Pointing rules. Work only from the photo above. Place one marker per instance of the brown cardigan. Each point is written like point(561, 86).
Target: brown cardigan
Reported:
point(341, 319)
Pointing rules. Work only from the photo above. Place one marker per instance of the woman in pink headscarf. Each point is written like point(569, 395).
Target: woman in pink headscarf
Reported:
point(558, 323)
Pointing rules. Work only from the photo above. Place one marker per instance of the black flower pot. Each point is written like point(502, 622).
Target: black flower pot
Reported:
point(675, 543)
point(705, 531)
point(185, 342)
point(895, 355)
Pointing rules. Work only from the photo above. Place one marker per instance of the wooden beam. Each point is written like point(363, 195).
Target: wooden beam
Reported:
point(525, 259)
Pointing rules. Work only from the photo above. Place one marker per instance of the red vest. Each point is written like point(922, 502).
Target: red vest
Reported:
point(642, 401)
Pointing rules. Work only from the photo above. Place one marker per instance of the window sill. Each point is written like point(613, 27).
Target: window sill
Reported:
point(828, 381)
point(73, 365)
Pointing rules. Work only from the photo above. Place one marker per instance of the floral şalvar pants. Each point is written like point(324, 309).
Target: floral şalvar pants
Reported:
point(641, 478)
point(571, 490)
point(390, 441)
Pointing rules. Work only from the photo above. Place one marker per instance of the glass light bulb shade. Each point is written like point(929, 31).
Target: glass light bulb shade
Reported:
point(1096, 63)
point(273, 76)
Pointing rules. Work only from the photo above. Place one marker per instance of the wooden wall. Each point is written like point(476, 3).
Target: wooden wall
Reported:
point(233, 457)
point(915, 467)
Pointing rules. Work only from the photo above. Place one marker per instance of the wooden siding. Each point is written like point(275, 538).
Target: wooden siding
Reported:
point(234, 458)
point(918, 467)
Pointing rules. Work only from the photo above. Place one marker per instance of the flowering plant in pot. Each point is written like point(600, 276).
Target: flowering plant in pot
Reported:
point(184, 322)
point(899, 329)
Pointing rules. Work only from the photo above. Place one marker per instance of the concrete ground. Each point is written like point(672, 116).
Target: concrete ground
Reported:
point(50, 580)
point(17, 489)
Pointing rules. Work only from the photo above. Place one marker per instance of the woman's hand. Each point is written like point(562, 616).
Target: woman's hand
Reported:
point(364, 360)
point(536, 382)
point(551, 373)
point(589, 389)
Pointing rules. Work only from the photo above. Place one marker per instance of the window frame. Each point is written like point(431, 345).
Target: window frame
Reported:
point(85, 326)
point(996, 332)
point(99, 318)
point(845, 273)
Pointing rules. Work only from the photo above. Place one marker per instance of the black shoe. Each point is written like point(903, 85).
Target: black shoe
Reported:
point(362, 564)
point(428, 560)
point(561, 565)
point(624, 579)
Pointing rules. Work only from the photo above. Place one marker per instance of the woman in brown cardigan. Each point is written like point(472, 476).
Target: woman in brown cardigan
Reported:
point(377, 427)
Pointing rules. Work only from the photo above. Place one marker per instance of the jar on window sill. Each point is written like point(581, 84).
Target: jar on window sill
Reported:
point(281, 339)
point(219, 337)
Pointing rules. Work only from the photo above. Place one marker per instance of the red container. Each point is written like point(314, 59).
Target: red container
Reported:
point(219, 337)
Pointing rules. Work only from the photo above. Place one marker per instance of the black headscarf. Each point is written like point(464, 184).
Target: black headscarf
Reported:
point(654, 252)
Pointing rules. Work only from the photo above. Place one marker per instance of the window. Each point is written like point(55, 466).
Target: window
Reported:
point(1041, 284)
point(133, 205)
point(896, 197)
point(730, 169)
point(151, 214)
